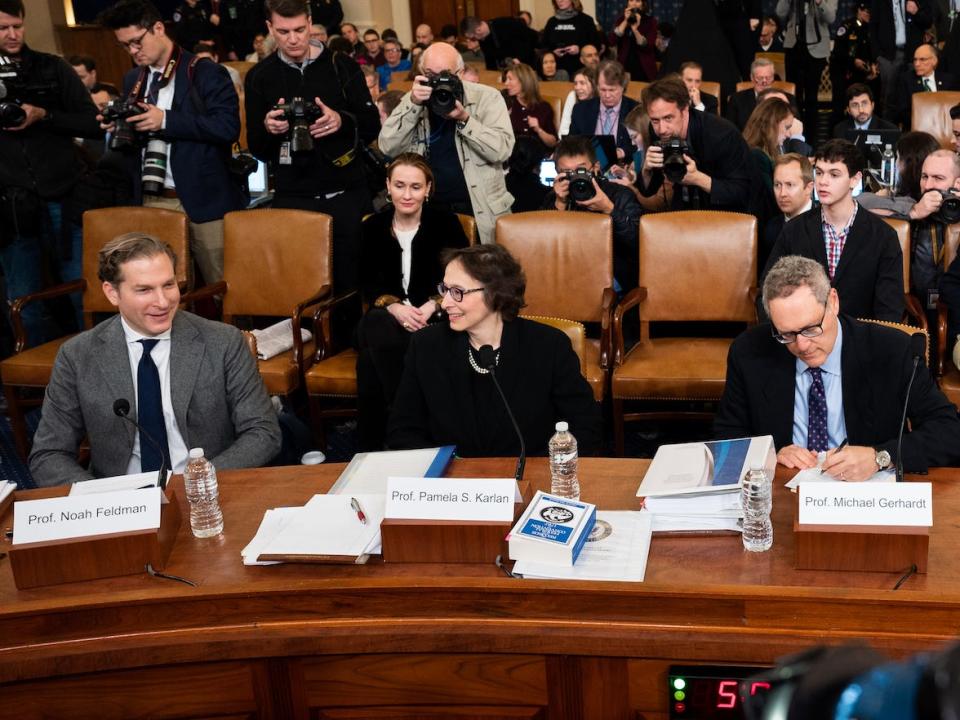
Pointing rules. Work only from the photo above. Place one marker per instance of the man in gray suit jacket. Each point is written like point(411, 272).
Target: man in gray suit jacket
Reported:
point(806, 38)
point(198, 376)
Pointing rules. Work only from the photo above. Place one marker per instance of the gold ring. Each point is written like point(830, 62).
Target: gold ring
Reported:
point(407, 325)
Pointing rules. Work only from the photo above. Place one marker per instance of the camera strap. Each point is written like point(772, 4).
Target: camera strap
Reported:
point(139, 89)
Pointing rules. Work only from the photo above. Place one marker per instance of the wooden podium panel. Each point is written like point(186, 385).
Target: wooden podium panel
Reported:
point(462, 641)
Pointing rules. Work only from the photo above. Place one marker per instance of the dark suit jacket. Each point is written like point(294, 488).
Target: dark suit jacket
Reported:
point(841, 129)
point(950, 295)
point(218, 398)
point(201, 140)
point(710, 103)
point(876, 363)
point(908, 84)
point(883, 31)
point(381, 258)
point(869, 276)
point(509, 38)
point(539, 374)
point(740, 106)
point(584, 121)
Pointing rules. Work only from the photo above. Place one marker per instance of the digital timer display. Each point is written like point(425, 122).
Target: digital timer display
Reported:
point(704, 692)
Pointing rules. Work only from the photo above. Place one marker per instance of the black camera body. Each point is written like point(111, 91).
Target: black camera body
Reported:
point(447, 90)
point(581, 184)
point(15, 91)
point(301, 114)
point(949, 211)
point(674, 166)
point(633, 17)
point(123, 138)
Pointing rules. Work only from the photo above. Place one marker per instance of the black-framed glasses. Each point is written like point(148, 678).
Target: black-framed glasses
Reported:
point(136, 43)
point(810, 331)
point(456, 293)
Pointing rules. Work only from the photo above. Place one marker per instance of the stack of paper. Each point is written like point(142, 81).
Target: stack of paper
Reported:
point(135, 481)
point(278, 339)
point(368, 472)
point(816, 474)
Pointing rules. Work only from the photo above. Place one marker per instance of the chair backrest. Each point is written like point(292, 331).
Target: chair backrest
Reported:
point(404, 86)
point(556, 104)
point(242, 139)
point(635, 89)
point(103, 225)
point(274, 259)
point(713, 88)
point(567, 258)
point(788, 87)
point(778, 59)
point(931, 114)
point(556, 88)
point(698, 265)
point(908, 330)
point(572, 329)
point(242, 67)
point(902, 228)
point(469, 226)
point(490, 77)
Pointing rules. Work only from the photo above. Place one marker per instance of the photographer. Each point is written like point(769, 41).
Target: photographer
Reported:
point(579, 187)
point(176, 125)
point(464, 131)
point(706, 158)
point(635, 38)
point(44, 108)
point(308, 110)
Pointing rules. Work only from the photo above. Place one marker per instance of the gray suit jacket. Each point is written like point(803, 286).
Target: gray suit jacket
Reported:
point(817, 31)
point(219, 400)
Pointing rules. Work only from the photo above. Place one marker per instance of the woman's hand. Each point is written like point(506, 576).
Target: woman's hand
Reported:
point(410, 318)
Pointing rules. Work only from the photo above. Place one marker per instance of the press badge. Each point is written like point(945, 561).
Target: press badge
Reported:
point(285, 157)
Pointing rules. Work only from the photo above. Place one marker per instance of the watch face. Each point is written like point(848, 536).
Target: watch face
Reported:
point(883, 459)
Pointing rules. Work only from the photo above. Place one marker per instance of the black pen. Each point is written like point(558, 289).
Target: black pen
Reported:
point(840, 447)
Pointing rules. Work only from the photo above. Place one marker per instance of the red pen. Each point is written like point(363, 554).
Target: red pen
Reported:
point(356, 507)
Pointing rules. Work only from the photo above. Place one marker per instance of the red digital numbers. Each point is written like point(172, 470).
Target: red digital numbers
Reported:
point(758, 686)
point(727, 694)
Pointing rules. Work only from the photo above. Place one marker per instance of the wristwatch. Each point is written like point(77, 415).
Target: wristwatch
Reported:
point(882, 459)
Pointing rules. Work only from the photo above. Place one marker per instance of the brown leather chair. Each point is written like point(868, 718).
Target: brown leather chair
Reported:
point(277, 263)
point(635, 89)
point(914, 308)
point(556, 88)
point(697, 265)
point(242, 138)
point(403, 86)
point(908, 329)
point(948, 375)
point(568, 261)
point(713, 88)
point(556, 104)
point(493, 78)
point(779, 60)
point(931, 114)
point(31, 367)
point(242, 67)
point(469, 226)
point(788, 87)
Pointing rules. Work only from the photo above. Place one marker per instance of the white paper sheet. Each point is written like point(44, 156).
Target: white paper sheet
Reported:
point(135, 481)
point(274, 520)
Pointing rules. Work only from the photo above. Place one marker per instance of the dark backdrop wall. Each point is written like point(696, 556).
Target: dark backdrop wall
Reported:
point(85, 11)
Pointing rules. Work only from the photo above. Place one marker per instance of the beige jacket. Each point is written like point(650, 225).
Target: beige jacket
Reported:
point(484, 144)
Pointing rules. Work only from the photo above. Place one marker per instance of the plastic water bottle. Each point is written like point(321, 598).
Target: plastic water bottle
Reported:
point(200, 481)
point(888, 166)
point(756, 500)
point(563, 463)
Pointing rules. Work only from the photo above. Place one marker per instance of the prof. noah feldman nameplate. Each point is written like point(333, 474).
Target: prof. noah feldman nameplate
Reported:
point(78, 516)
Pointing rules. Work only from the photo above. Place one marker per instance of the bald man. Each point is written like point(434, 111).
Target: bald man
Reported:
point(423, 35)
point(923, 78)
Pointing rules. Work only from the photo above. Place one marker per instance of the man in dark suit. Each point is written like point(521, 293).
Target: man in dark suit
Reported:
point(740, 105)
point(896, 29)
point(604, 114)
point(859, 251)
point(190, 121)
point(715, 171)
point(923, 78)
point(501, 39)
point(793, 192)
point(825, 378)
point(692, 75)
point(191, 382)
point(860, 116)
point(770, 39)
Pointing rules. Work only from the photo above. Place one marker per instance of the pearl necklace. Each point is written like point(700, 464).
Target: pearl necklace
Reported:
point(477, 368)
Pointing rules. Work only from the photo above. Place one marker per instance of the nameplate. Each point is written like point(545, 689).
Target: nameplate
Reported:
point(892, 504)
point(78, 516)
point(450, 499)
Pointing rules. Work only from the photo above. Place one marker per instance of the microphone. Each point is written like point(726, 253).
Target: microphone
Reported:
point(121, 408)
point(488, 361)
point(903, 418)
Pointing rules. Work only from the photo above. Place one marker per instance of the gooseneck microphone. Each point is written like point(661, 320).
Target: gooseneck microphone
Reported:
point(488, 361)
point(903, 418)
point(121, 408)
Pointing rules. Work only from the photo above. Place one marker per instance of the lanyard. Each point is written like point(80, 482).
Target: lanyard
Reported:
point(168, 71)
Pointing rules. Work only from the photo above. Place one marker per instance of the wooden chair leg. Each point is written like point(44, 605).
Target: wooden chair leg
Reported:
point(618, 427)
point(18, 421)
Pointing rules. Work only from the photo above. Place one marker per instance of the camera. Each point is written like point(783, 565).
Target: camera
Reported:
point(123, 138)
point(634, 17)
point(674, 166)
point(14, 91)
point(581, 184)
point(301, 115)
point(447, 90)
point(949, 211)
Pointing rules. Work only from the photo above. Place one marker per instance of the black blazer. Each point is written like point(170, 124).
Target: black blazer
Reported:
point(869, 276)
point(710, 103)
point(380, 266)
point(908, 84)
point(584, 121)
point(876, 362)
point(883, 29)
point(841, 129)
point(740, 106)
point(539, 374)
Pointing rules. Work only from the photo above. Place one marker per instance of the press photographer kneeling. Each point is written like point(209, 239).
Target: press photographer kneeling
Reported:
point(579, 186)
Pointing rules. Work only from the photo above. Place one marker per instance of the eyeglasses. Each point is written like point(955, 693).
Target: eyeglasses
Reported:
point(811, 331)
point(455, 292)
point(136, 43)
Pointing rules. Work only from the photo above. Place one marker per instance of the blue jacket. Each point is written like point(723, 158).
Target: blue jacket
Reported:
point(584, 121)
point(201, 131)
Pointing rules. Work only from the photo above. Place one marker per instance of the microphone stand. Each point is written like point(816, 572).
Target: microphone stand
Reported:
point(903, 419)
point(121, 408)
point(488, 361)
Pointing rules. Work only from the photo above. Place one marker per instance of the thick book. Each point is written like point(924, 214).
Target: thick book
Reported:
point(551, 530)
point(706, 467)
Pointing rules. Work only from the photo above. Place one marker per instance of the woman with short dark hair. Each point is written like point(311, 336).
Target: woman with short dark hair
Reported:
point(446, 395)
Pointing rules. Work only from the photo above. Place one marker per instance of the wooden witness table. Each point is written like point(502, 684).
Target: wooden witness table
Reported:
point(414, 641)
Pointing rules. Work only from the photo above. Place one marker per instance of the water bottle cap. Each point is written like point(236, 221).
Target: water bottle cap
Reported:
point(562, 426)
point(196, 453)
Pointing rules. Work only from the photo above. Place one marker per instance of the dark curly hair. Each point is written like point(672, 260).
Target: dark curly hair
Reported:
point(503, 280)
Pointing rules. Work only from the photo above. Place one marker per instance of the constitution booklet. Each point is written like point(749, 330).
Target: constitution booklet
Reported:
point(551, 530)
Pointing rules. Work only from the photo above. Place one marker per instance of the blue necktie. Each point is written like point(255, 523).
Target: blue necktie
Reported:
point(608, 122)
point(150, 411)
point(153, 92)
point(817, 439)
